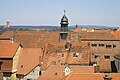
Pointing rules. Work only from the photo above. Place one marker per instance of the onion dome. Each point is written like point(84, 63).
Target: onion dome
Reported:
point(64, 19)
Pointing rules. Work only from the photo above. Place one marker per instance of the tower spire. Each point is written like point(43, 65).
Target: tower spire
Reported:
point(64, 12)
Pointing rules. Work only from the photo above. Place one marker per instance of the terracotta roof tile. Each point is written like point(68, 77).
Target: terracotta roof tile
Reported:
point(93, 76)
point(105, 66)
point(117, 34)
point(8, 50)
point(55, 50)
point(77, 30)
point(28, 60)
point(78, 76)
point(32, 39)
point(97, 36)
point(103, 31)
point(56, 72)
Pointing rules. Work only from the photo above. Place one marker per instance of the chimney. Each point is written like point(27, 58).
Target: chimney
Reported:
point(107, 77)
point(11, 40)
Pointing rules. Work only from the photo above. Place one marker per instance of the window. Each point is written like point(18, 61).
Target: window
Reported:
point(101, 45)
point(97, 56)
point(62, 55)
point(7, 74)
point(94, 45)
point(75, 55)
point(108, 46)
point(114, 45)
point(107, 57)
point(21, 66)
point(1, 64)
point(40, 72)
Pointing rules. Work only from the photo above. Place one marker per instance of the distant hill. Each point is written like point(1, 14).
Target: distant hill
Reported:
point(94, 26)
point(70, 27)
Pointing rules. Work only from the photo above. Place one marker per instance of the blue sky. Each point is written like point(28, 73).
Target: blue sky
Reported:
point(49, 12)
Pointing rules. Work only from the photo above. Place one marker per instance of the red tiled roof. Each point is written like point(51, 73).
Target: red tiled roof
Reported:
point(32, 39)
point(54, 51)
point(117, 34)
point(78, 76)
point(105, 31)
point(56, 71)
point(97, 36)
point(28, 60)
point(77, 30)
point(8, 50)
point(105, 66)
point(93, 76)
point(82, 69)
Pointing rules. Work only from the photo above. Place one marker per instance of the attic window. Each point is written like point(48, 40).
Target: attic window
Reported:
point(97, 57)
point(101, 45)
point(62, 55)
point(75, 55)
point(40, 72)
point(108, 46)
point(21, 66)
point(93, 44)
point(56, 73)
point(114, 45)
point(107, 57)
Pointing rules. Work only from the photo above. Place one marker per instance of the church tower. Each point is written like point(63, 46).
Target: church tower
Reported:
point(64, 28)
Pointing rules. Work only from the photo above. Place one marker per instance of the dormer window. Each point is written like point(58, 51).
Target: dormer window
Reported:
point(97, 56)
point(107, 57)
point(67, 71)
point(93, 44)
point(114, 45)
point(75, 55)
point(101, 45)
point(62, 55)
point(108, 46)
point(21, 66)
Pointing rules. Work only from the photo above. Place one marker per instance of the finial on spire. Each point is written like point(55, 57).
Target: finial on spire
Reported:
point(64, 12)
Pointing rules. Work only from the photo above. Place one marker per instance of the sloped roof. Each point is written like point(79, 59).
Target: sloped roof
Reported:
point(117, 56)
point(92, 76)
point(105, 66)
point(54, 50)
point(32, 39)
point(116, 34)
point(97, 36)
point(105, 31)
point(56, 72)
point(77, 30)
point(78, 76)
point(29, 58)
point(8, 50)
point(7, 34)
